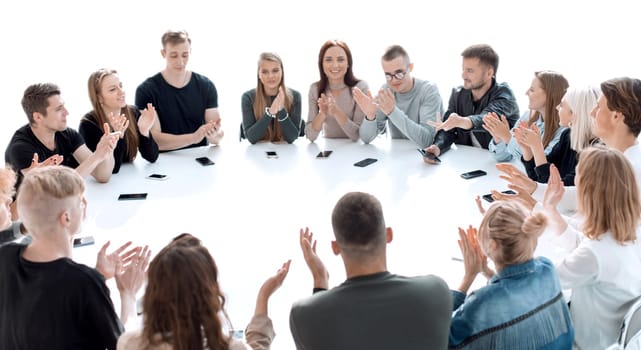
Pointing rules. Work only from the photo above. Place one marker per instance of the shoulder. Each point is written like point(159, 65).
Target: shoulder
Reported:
point(202, 79)
point(130, 340)
point(89, 119)
point(313, 88)
point(152, 81)
point(295, 93)
point(502, 88)
point(251, 94)
point(10, 252)
point(362, 84)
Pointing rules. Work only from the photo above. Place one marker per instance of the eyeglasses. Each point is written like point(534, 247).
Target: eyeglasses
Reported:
point(399, 75)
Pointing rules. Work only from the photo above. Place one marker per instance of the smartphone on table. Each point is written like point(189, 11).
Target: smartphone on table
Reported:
point(324, 154)
point(132, 196)
point(204, 161)
point(157, 177)
point(365, 162)
point(271, 154)
point(472, 174)
point(83, 241)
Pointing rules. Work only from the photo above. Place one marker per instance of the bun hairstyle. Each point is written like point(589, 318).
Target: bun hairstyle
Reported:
point(513, 230)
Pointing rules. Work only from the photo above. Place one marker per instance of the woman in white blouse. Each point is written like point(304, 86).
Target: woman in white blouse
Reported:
point(603, 265)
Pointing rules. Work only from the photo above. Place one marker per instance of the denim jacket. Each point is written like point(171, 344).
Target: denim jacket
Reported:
point(522, 307)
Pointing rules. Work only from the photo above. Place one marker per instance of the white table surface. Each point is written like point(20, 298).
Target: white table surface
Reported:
point(248, 209)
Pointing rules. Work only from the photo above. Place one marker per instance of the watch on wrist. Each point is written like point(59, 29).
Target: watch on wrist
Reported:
point(268, 113)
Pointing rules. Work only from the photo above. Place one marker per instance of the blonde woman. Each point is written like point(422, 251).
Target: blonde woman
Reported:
point(574, 118)
point(604, 260)
point(522, 305)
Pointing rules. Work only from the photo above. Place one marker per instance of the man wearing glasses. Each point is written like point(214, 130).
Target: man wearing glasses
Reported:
point(479, 95)
point(407, 102)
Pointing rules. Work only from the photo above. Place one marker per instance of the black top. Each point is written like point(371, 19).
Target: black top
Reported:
point(180, 110)
point(562, 156)
point(499, 99)
point(53, 305)
point(92, 132)
point(24, 144)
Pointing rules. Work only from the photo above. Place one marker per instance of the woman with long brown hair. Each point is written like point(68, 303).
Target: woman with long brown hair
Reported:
point(271, 111)
point(332, 108)
point(107, 98)
point(184, 308)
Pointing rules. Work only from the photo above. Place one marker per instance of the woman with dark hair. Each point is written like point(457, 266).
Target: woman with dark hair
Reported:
point(107, 98)
point(271, 111)
point(331, 103)
point(184, 308)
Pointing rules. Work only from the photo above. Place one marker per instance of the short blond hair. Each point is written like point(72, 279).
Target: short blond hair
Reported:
point(607, 194)
point(45, 192)
point(514, 231)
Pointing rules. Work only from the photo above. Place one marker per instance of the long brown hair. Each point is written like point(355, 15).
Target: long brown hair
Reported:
point(261, 100)
point(349, 79)
point(554, 84)
point(183, 302)
point(607, 194)
point(94, 85)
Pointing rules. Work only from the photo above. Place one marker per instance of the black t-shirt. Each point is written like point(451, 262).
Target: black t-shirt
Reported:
point(180, 110)
point(53, 305)
point(24, 144)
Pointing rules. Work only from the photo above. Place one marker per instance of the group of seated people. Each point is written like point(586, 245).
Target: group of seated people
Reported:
point(578, 145)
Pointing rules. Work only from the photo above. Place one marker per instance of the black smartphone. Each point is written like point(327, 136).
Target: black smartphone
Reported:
point(365, 162)
point(271, 154)
point(204, 161)
point(132, 196)
point(157, 177)
point(488, 197)
point(323, 154)
point(472, 174)
point(429, 155)
point(82, 241)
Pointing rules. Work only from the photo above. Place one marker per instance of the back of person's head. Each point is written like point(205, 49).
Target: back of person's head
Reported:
point(486, 55)
point(36, 99)
point(607, 194)
point(508, 234)
point(555, 85)
point(349, 79)
point(581, 101)
point(394, 51)
point(182, 301)
point(624, 96)
point(94, 88)
point(359, 225)
point(173, 37)
point(46, 193)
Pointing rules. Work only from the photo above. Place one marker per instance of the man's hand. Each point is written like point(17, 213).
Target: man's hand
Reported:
point(147, 119)
point(314, 263)
point(55, 159)
point(453, 121)
point(498, 127)
point(106, 263)
point(365, 102)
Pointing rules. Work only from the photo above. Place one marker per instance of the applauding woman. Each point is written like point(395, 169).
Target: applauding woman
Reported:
point(109, 106)
point(603, 262)
point(522, 306)
point(331, 104)
point(271, 111)
point(184, 307)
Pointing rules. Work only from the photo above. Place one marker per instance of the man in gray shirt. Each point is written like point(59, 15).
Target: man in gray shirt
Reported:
point(373, 309)
point(409, 103)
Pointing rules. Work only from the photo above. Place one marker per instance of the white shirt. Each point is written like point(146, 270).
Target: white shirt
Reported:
point(605, 278)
